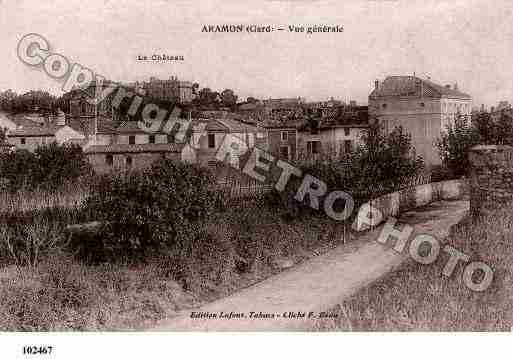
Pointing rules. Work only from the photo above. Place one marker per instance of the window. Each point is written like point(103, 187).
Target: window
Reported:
point(131, 140)
point(170, 139)
point(284, 136)
point(422, 104)
point(385, 126)
point(23, 141)
point(211, 140)
point(384, 105)
point(348, 146)
point(128, 161)
point(313, 147)
point(427, 128)
point(151, 138)
point(109, 160)
point(347, 131)
point(284, 152)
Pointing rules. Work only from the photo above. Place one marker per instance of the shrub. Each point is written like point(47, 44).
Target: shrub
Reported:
point(49, 167)
point(150, 211)
point(454, 144)
point(28, 243)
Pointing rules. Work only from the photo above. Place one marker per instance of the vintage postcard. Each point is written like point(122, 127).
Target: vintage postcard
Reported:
point(255, 166)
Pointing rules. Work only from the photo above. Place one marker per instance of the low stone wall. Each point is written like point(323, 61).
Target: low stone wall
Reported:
point(491, 180)
point(395, 203)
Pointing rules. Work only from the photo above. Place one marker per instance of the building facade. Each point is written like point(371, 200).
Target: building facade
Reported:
point(30, 138)
point(281, 140)
point(329, 141)
point(172, 89)
point(125, 157)
point(423, 108)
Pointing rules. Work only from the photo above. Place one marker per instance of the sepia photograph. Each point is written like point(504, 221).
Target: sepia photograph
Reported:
point(263, 167)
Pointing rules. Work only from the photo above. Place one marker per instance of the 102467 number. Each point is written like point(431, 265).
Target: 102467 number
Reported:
point(37, 350)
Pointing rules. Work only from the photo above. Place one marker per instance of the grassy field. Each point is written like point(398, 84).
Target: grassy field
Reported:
point(418, 297)
point(43, 287)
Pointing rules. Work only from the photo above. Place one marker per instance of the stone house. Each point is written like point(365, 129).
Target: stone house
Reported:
point(281, 139)
point(125, 157)
point(29, 135)
point(422, 107)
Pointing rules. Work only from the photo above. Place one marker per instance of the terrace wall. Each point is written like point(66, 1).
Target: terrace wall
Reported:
point(395, 203)
point(491, 177)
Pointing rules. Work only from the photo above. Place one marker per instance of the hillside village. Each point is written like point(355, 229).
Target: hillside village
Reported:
point(125, 217)
point(289, 128)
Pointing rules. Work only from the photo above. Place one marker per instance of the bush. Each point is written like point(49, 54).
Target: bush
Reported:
point(148, 212)
point(454, 144)
point(49, 167)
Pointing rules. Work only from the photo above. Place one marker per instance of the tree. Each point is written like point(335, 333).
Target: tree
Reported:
point(228, 98)
point(504, 129)
point(150, 211)
point(383, 163)
point(3, 135)
point(57, 164)
point(49, 166)
point(195, 87)
point(208, 98)
point(486, 128)
point(454, 144)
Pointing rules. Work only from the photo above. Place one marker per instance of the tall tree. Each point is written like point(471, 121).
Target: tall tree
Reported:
point(454, 144)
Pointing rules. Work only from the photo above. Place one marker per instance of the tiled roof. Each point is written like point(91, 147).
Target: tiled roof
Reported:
point(85, 125)
point(35, 131)
point(211, 125)
point(280, 124)
point(414, 86)
point(141, 148)
point(237, 126)
point(23, 121)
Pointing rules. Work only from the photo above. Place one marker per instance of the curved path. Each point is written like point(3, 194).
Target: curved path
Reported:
point(318, 284)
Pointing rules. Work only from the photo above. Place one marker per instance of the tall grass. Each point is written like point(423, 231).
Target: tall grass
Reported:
point(70, 196)
point(64, 295)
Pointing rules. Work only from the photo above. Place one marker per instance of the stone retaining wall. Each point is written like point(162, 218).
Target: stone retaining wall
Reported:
point(395, 203)
point(491, 181)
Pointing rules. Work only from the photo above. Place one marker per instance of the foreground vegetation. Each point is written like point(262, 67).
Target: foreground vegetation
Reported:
point(418, 297)
point(235, 249)
point(160, 240)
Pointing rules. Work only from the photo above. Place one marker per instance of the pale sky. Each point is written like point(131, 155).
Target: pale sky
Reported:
point(468, 42)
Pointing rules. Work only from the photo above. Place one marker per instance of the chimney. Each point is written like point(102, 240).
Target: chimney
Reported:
point(376, 84)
